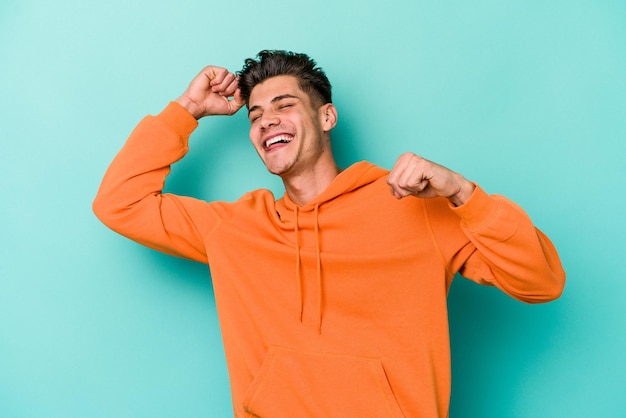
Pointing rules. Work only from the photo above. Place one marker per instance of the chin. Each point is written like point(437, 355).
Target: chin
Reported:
point(278, 170)
point(275, 170)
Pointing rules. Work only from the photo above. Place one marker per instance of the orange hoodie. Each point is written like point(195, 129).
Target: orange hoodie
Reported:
point(336, 308)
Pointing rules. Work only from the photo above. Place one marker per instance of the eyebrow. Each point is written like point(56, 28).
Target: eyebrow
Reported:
point(274, 100)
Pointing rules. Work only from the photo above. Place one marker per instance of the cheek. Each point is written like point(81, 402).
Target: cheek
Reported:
point(254, 135)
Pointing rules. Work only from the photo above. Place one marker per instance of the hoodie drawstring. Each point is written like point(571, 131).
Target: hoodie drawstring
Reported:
point(298, 275)
point(318, 267)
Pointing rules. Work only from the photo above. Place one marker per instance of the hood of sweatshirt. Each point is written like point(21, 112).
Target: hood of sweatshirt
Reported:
point(354, 177)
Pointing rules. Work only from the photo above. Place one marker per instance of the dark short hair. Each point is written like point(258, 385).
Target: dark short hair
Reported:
point(311, 78)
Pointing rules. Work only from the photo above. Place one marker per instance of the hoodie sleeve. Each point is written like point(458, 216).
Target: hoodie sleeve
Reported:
point(506, 250)
point(130, 201)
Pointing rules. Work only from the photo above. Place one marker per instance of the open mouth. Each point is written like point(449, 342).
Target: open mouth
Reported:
point(277, 140)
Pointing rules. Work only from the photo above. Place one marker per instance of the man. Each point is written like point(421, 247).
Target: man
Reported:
point(332, 299)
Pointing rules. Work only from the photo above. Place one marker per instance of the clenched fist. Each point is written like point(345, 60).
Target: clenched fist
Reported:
point(413, 175)
point(214, 91)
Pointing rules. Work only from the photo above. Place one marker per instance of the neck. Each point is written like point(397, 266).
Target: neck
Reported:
point(304, 187)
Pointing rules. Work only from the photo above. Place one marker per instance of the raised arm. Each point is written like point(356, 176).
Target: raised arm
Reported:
point(130, 201)
point(504, 249)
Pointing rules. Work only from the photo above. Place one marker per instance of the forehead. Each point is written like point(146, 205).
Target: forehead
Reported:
point(273, 87)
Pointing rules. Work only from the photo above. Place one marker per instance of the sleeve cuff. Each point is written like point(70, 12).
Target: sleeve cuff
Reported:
point(479, 210)
point(178, 119)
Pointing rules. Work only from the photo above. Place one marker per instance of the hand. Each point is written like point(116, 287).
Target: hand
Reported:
point(413, 175)
point(214, 91)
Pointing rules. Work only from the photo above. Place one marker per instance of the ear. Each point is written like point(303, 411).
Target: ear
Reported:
point(328, 116)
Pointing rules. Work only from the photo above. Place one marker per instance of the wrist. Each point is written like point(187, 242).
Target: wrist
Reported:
point(190, 106)
point(466, 189)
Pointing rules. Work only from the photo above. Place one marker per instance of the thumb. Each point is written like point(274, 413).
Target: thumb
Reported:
point(236, 102)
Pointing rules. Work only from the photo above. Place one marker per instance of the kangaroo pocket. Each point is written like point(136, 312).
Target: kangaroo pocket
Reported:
point(297, 384)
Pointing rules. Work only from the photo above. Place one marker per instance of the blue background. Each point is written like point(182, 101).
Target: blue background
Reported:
point(527, 98)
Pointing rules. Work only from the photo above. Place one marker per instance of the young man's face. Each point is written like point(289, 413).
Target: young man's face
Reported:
point(287, 129)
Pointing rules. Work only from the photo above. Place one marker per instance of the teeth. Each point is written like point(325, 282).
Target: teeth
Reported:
point(277, 139)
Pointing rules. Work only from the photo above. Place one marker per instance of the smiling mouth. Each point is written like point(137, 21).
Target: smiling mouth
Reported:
point(279, 139)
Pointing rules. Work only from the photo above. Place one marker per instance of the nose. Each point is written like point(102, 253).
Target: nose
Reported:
point(269, 119)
